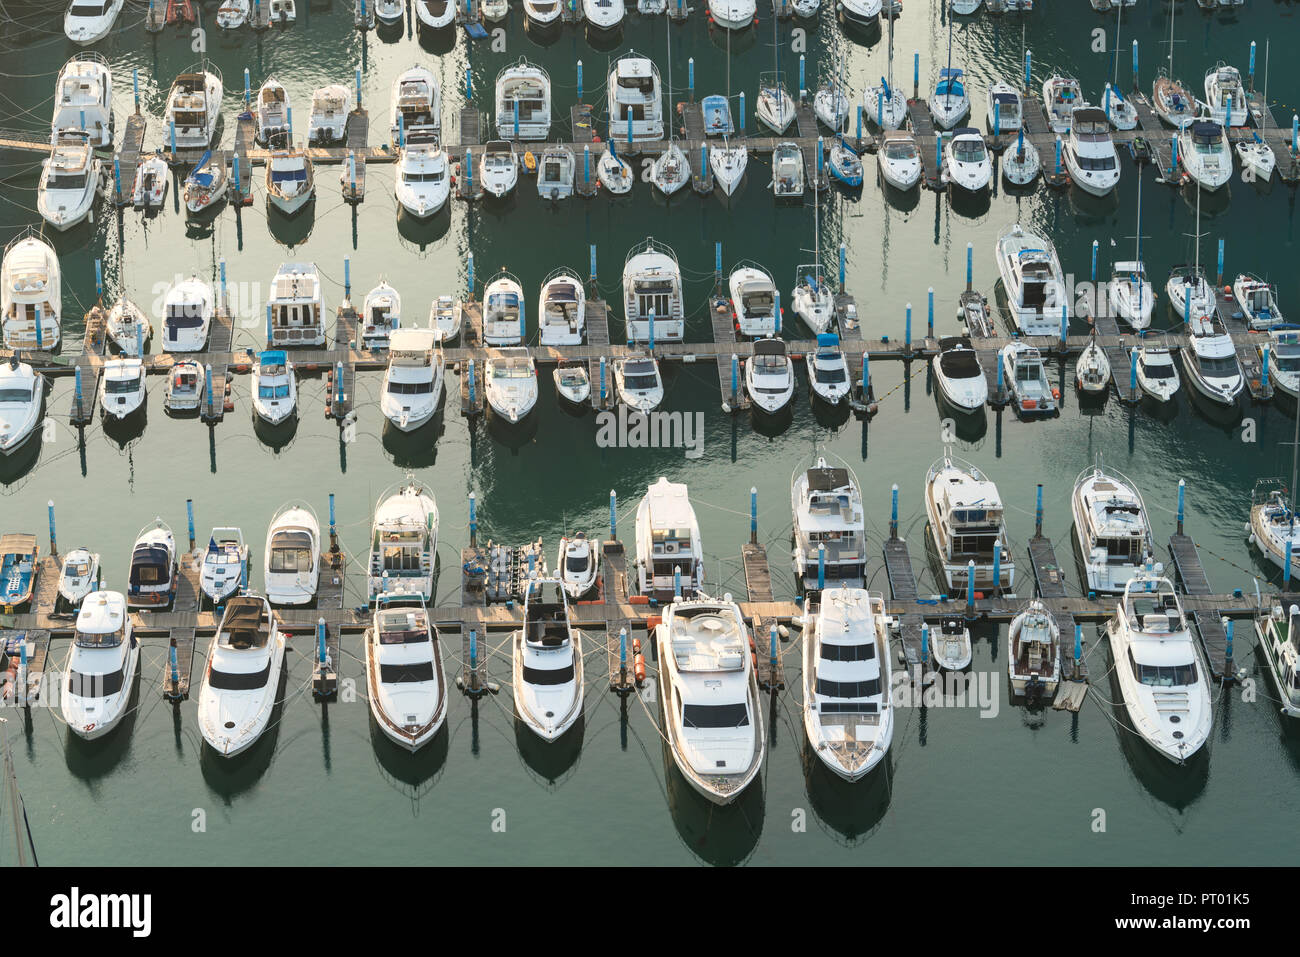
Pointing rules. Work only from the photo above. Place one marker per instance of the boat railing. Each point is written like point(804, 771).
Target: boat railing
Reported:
point(649, 245)
point(524, 63)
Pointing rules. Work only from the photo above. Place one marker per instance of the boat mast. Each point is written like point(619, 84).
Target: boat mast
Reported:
point(890, 82)
point(1119, 18)
point(1137, 238)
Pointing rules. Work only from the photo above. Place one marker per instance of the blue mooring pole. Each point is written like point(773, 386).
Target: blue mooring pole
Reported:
point(821, 565)
point(1182, 490)
point(473, 519)
point(925, 643)
point(929, 317)
point(677, 583)
point(970, 588)
point(893, 512)
point(1038, 511)
point(753, 514)
point(54, 541)
point(1133, 370)
point(174, 666)
point(772, 647)
point(907, 331)
point(320, 641)
point(579, 81)
point(613, 516)
point(1078, 642)
point(189, 520)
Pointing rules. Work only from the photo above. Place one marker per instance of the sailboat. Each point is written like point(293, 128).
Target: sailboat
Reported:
point(1170, 99)
point(1129, 291)
point(949, 104)
point(884, 105)
point(1121, 113)
point(1190, 293)
point(813, 298)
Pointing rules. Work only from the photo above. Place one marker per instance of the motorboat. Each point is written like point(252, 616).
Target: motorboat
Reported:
point(282, 12)
point(152, 177)
point(713, 718)
point(1257, 158)
point(967, 525)
point(844, 163)
point(863, 14)
point(1157, 376)
point(951, 649)
point(69, 183)
point(671, 170)
point(290, 182)
point(1021, 164)
point(572, 381)
point(614, 172)
point(806, 8)
point(297, 309)
point(503, 311)
point(548, 685)
point(78, 576)
point(669, 553)
point(1273, 528)
point(1211, 366)
point(381, 315)
point(206, 185)
point(187, 316)
point(423, 182)
point(652, 286)
point(1277, 634)
point(1062, 95)
point(1130, 293)
point(83, 100)
point(523, 98)
point(847, 711)
point(829, 527)
point(434, 14)
point(1034, 281)
point(769, 375)
point(787, 171)
point(813, 298)
point(949, 104)
point(561, 309)
point(291, 566)
point(510, 382)
point(1006, 108)
point(193, 108)
point(121, 388)
point(1121, 112)
point(22, 398)
point(542, 13)
point(1162, 677)
point(224, 569)
point(390, 12)
point(1191, 296)
point(1034, 652)
point(1111, 529)
point(272, 112)
point(774, 107)
point(153, 571)
point(274, 388)
point(233, 14)
point(1225, 96)
point(1088, 152)
point(494, 11)
point(638, 383)
point(964, 8)
point(101, 666)
point(445, 316)
point(603, 15)
point(899, 159)
point(1092, 369)
point(1283, 361)
point(1025, 374)
point(328, 123)
point(753, 300)
point(405, 680)
point(1172, 102)
point(1203, 151)
point(635, 99)
point(245, 661)
point(959, 375)
point(87, 21)
point(831, 106)
point(733, 14)
point(31, 294)
point(828, 374)
point(413, 381)
point(185, 385)
point(717, 115)
point(498, 169)
point(403, 543)
point(728, 163)
point(416, 98)
point(578, 562)
point(556, 169)
point(1257, 300)
point(966, 161)
point(19, 558)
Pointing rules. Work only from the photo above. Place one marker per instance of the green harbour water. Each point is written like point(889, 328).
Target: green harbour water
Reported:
point(1013, 786)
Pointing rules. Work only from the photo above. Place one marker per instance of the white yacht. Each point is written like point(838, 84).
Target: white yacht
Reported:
point(233, 14)
point(577, 562)
point(403, 543)
point(328, 123)
point(445, 316)
point(416, 102)
point(652, 286)
point(572, 381)
point(813, 297)
point(542, 14)
point(951, 648)
point(733, 14)
point(556, 168)
point(967, 525)
point(245, 660)
point(1130, 293)
point(274, 388)
point(638, 382)
point(272, 112)
point(224, 571)
point(1225, 97)
point(1257, 300)
point(494, 10)
point(405, 680)
point(152, 577)
point(413, 381)
point(1121, 112)
point(1034, 652)
point(101, 666)
point(1089, 153)
point(193, 108)
point(510, 383)
point(187, 316)
point(1164, 681)
point(498, 168)
point(1111, 529)
point(1204, 152)
point(828, 371)
point(829, 527)
point(1061, 95)
point(1283, 361)
point(959, 375)
point(291, 566)
point(523, 97)
point(390, 12)
point(435, 14)
point(668, 542)
point(864, 14)
point(1257, 157)
point(185, 385)
point(712, 714)
point(78, 576)
point(728, 163)
point(22, 396)
point(1005, 108)
point(1211, 366)
point(787, 171)
point(561, 309)
point(503, 311)
point(1157, 375)
point(670, 170)
point(635, 100)
point(831, 106)
point(1034, 281)
point(297, 315)
point(89, 20)
point(1025, 375)
point(603, 15)
point(69, 183)
point(83, 100)
point(381, 315)
point(966, 161)
point(31, 294)
point(121, 388)
point(753, 300)
point(1279, 637)
point(847, 712)
point(774, 107)
point(548, 675)
point(884, 105)
point(949, 104)
point(899, 159)
point(290, 180)
point(769, 375)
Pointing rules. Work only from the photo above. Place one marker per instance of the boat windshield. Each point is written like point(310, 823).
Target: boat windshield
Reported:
point(77, 569)
point(511, 370)
point(968, 150)
point(900, 151)
point(280, 391)
point(410, 388)
point(1218, 367)
point(96, 686)
point(90, 8)
point(715, 715)
point(1164, 676)
point(105, 639)
point(11, 394)
point(121, 386)
point(830, 374)
point(65, 181)
point(1160, 368)
point(238, 680)
point(291, 552)
point(576, 564)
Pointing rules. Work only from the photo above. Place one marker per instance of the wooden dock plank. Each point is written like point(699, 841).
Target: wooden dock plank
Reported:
point(758, 576)
point(1049, 576)
point(898, 566)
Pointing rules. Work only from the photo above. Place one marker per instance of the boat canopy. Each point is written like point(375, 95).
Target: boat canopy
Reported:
point(242, 625)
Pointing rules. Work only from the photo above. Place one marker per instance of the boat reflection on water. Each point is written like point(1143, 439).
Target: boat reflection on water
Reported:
point(411, 774)
point(229, 777)
point(276, 437)
point(552, 762)
point(417, 449)
point(722, 836)
point(93, 759)
point(850, 809)
point(423, 233)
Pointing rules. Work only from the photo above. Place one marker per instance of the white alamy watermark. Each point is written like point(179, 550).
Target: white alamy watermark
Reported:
point(909, 688)
point(629, 429)
point(101, 911)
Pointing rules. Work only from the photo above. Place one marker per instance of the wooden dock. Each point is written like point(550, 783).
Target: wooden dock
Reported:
point(598, 336)
point(758, 577)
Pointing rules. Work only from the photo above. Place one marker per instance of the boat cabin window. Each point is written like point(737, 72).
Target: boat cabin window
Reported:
point(121, 386)
point(671, 539)
point(641, 84)
point(17, 394)
point(715, 716)
point(1218, 366)
point(65, 180)
point(900, 151)
point(95, 686)
point(517, 369)
point(975, 546)
point(409, 388)
point(405, 673)
point(1029, 370)
point(1158, 368)
point(654, 296)
point(90, 8)
point(831, 375)
point(278, 391)
point(769, 365)
point(863, 652)
point(968, 150)
point(76, 569)
point(576, 564)
point(1163, 676)
point(298, 175)
point(1095, 162)
point(291, 552)
point(548, 676)
point(401, 553)
point(867, 688)
point(433, 176)
point(105, 639)
point(1123, 551)
point(637, 378)
point(238, 680)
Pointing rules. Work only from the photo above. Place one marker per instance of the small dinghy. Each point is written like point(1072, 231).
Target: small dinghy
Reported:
point(405, 680)
point(128, 327)
point(283, 12)
point(1025, 374)
point(185, 383)
point(272, 112)
point(291, 564)
point(555, 173)
point(233, 14)
point(381, 316)
point(1020, 165)
point(671, 170)
point(844, 163)
point(78, 576)
point(1034, 661)
point(225, 565)
point(152, 177)
point(728, 163)
point(18, 555)
point(717, 116)
point(101, 667)
point(614, 172)
point(829, 373)
point(121, 388)
point(275, 389)
point(1256, 157)
point(577, 561)
point(206, 186)
point(548, 669)
point(572, 381)
point(951, 647)
point(1157, 375)
point(444, 319)
point(152, 578)
point(1092, 369)
point(245, 661)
